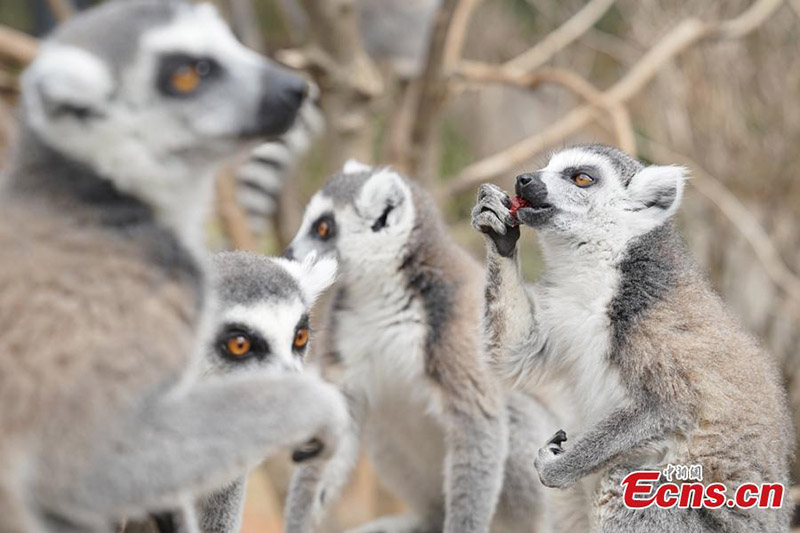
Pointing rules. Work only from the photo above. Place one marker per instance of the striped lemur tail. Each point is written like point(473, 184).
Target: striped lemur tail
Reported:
point(260, 180)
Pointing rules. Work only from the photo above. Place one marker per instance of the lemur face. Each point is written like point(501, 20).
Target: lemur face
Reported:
point(363, 215)
point(263, 319)
point(595, 190)
point(158, 81)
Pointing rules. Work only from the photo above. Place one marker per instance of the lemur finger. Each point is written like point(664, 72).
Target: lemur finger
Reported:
point(495, 206)
point(488, 221)
point(500, 205)
point(494, 195)
point(307, 451)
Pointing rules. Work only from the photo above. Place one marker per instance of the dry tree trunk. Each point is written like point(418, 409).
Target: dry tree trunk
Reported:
point(348, 79)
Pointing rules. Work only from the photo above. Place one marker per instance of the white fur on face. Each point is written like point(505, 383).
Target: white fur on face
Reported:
point(276, 322)
point(609, 214)
point(303, 243)
point(161, 150)
point(357, 243)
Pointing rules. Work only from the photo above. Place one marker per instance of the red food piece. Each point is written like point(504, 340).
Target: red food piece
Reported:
point(516, 203)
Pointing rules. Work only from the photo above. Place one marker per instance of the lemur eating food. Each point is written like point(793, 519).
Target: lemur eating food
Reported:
point(645, 355)
point(127, 112)
point(403, 342)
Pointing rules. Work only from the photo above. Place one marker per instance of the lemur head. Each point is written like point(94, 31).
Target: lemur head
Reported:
point(149, 93)
point(364, 215)
point(591, 192)
point(263, 315)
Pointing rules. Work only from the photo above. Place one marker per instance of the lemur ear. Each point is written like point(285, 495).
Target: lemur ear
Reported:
point(314, 274)
point(354, 166)
point(383, 199)
point(66, 81)
point(657, 190)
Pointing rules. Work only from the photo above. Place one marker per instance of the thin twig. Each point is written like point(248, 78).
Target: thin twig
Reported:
point(687, 33)
point(433, 88)
point(560, 38)
point(347, 77)
point(471, 71)
point(454, 43)
point(61, 9)
point(244, 21)
point(738, 214)
point(17, 46)
point(231, 215)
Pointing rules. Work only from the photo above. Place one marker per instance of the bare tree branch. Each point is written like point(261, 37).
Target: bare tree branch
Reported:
point(347, 77)
point(561, 37)
point(741, 218)
point(61, 9)
point(16, 46)
point(687, 33)
point(244, 21)
point(483, 73)
point(443, 51)
point(232, 217)
point(454, 43)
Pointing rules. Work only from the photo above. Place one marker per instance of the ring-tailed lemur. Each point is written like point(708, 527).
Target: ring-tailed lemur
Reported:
point(262, 324)
point(657, 370)
point(395, 34)
point(403, 342)
point(126, 113)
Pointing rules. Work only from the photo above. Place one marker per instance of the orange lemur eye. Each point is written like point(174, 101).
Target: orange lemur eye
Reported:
point(323, 228)
point(185, 79)
point(238, 345)
point(300, 338)
point(582, 180)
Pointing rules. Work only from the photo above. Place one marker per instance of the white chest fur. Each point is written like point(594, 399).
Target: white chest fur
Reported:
point(381, 336)
point(572, 312)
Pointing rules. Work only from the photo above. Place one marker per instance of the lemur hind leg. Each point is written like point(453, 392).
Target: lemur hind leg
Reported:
point(404, 523)
point(612, 516)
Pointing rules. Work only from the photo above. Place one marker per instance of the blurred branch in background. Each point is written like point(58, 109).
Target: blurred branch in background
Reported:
point(473, 72)
point(244, 20)
point(231, 215)
point(346, 75)
point(61, 9)
point(740, 217)
point(677, 41)
point(560, 38)
point(16, 46)
point(444, 51)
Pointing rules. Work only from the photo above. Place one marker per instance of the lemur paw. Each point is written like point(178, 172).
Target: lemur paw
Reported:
point(333, 425)
point(492, 217)
point(307, 451)
point(548, 464)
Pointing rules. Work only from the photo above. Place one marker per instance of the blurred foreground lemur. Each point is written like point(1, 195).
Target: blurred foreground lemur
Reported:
point(126, 113)
point(403, 342)
point(262, 325)
point(656, 370)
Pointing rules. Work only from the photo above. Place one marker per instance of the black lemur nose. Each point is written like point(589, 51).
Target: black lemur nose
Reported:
point(296, 90)
point(524, 179)
point(289, 253)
